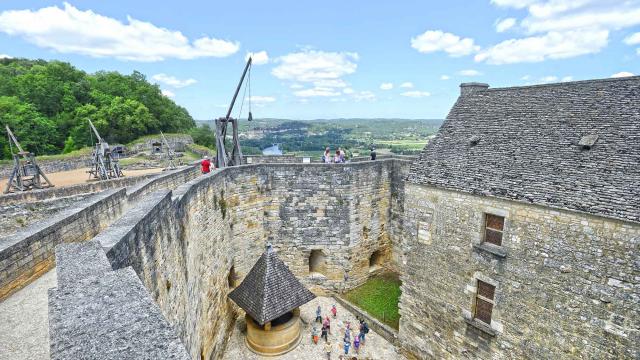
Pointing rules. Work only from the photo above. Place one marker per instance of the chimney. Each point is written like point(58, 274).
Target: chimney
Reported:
point(472, 88)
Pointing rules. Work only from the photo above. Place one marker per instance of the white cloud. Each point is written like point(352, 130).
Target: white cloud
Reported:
point(469, 72)
point(262, 99)
point(406, 85)
point(548, 79)
point(296, 86)
point(445, 77)
point(525, 77)
point(518, 4)
point(609, 17)
point(348, 91)
point(172, 80)
point(622, 74)
point(69, 30)
point(258, 58)
point(416, 94)
point(316, 92)
point(386, 86)
point(633, 39)
point(168, 93)
point(5, 56)
point(330, 83)
point(323, 70)
point(566, 78)
point(559, 29)
point(437, 40)
point(364, 96)
point(311, 65)
point(553, 45)
point(503, 25)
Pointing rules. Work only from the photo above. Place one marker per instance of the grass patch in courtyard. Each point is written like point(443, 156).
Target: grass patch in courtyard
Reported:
point(379, 297)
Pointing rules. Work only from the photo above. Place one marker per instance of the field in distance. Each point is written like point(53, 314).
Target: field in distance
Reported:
point(310, 137)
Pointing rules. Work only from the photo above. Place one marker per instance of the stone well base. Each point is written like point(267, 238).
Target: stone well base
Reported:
point(273, 340)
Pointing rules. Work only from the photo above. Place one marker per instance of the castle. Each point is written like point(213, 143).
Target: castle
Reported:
point(516, 233)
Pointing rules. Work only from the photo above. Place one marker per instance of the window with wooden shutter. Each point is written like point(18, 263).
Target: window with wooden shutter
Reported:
point(484, 302)
point(494, 226)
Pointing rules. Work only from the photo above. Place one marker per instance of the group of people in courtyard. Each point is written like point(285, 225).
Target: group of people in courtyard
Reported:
point(357, 331)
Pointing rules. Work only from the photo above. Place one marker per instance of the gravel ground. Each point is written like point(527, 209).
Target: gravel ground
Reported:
point(375, 348)
point(24, 321)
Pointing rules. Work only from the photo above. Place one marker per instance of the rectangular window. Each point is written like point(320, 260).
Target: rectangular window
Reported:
point(493, 229)
point(484, 302)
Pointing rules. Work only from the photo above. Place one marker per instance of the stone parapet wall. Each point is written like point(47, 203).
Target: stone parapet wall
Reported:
point(184, 244)
point(98, 313)
point(51, 166)
point(71, 190)
point(29, 253)
point(176, 141)
point(568, 286)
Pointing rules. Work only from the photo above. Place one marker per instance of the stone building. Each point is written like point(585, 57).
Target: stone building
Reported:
point(522, 226)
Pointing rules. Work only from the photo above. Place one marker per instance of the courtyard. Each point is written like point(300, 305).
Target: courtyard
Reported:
point(374, 348)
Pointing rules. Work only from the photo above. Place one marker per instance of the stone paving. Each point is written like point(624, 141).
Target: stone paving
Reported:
point(376, 348)
point(24, 321)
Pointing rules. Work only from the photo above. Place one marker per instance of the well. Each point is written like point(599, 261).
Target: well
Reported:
point(276, 337)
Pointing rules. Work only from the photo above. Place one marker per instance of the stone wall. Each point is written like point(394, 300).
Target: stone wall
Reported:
point(567, 288)
point(51, 166)
point(71, 190)
point(29, 253)
point(184, 244)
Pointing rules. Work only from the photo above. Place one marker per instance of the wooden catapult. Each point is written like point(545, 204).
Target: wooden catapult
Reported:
point(26, 174)
point(170, 154)
point(104, 165)
point(224, 158)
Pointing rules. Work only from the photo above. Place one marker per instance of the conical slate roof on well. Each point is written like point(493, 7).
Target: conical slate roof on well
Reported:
point(270, 289)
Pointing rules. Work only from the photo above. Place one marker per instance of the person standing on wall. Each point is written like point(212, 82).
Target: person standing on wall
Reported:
point(373, 153)
point(205, 165)
point(326, 157)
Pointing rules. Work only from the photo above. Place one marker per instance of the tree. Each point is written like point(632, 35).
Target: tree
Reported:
point(34, 131)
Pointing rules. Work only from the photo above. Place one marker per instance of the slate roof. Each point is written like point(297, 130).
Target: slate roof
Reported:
point(531, 144)
point(270, 289)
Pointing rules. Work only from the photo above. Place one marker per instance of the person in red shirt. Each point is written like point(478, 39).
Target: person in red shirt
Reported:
point(205, 165)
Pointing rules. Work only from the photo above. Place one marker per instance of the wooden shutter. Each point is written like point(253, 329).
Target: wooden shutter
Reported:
point(493, 229)
point(484, 302)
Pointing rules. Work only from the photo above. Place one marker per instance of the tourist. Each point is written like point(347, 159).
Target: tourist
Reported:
point(327, 350)
point(319, 314)
point(334, 311)
point(363, 331)
point(342, 156)
point(356, 345)
point(347, 345)
point(327, 324)
point(336, 158)
point(205, 165)
point(326, 157)
point(373, 153)
point(324, 334)
point(314, 335)
point(347, 334)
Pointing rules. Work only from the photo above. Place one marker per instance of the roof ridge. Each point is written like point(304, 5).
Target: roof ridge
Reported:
point(564, 83)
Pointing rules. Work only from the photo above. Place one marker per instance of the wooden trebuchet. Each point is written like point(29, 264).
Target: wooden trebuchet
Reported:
point(26, 174)
point(104, 165)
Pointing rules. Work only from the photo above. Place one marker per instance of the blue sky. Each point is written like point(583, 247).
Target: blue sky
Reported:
point(330, 59)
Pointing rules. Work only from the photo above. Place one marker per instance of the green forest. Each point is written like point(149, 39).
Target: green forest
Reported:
point(47, 103)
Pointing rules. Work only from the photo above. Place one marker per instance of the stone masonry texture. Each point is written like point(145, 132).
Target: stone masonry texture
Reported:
point(567, 288)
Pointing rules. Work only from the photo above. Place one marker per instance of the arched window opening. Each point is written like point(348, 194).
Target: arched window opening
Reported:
point(375, 260)
point(317, 263)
